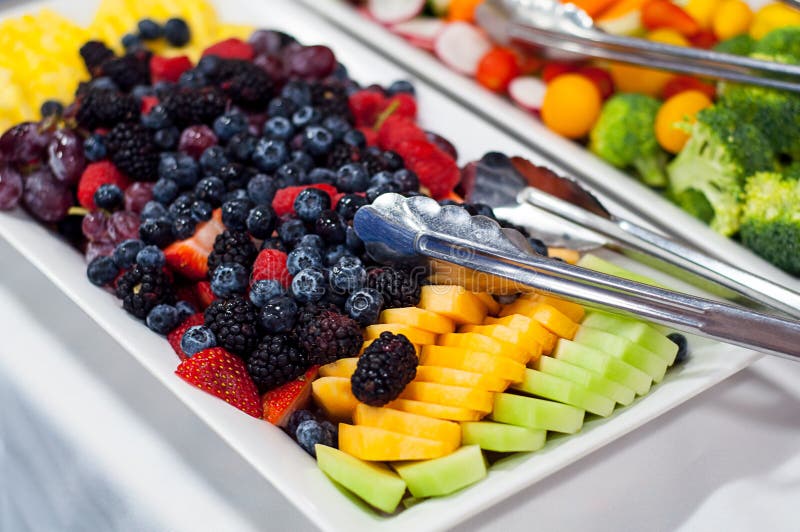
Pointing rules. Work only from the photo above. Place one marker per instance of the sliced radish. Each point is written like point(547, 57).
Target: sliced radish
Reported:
point(394, 11)
point(420, 31)
point(461, 46)
point(527, 92)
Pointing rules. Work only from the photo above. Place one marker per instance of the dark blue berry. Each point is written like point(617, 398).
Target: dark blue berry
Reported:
point(150, 258)
point(353, 242)
point(228, 125)
point(284, 107)
point(683, 346)
point(374, 192)
point(165, 191)
point(337, 125)
point(291, 231)
point(177, 32)
point(94, 148)
point(149, 29)
point(162, 318)
point(273, 243)
point(201, 210)
point(51, 108)
point(303, 160)
point(241, 147)
point(352, 177)
point(279, 128)
point(261, 221)
point(364, 306)
point(179, 167)
point(209, 64)
point(311, 241)
point(210, 189)
point(348, 205)
point(125, 253)
point(331, 227)
point(347, 275)
point(301, 258)
point(140, 91)
point(319, 176)
point(131, 42)
point(156, 118)
point(406, 180)
point(185, 309)
point(399, 86)
point(102, 270)
point(192, 79)
point(355, 138)
point(270, 154)
point(310, 203)
point(182, 205)
point(278, 315)
point(290, 174)
point(228, 279)
point(196, 339)
point(306, 116)
point(104, 83)
point(261, 189)
point(334, 253)
point(164, 88)
point(108, 196)
point(167, 138)
point(308, 286)
point(234, 214)
point(183, 227)
point(212, 159)
point(392, 160)
point(264, 290)
point(480, 209)
point(340, 72)
point(157, 232)
point(297, 92)
point(382, 179)
point(311, 432)
point(153, 210)
point(317, 140)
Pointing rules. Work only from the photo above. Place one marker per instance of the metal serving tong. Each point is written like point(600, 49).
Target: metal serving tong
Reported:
point(549, 24)
point(396, 228)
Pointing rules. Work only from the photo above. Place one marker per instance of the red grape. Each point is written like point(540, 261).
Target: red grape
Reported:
point(10, 187)
point(95, 226)
point(100, 248)
point(66, 156)
point(45, 197)
point(24, 143)
point(137, 195)
point(195, 140)
point(123, 225)
point(273, 66)
point(265, 42)
point(315, 62)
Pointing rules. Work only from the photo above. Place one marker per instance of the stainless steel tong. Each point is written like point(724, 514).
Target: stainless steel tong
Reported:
point(395, 228)
point(549, 24)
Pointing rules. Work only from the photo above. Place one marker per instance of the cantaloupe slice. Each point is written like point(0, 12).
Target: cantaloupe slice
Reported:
point(452, 413)
point(524, 323)
point(335, 396)
point(573, 311)
point(493, 346)
point(344, 367)
point(517, 337)
point(444, 394)
point(458, 377)
point(492, 305)
point(408, 423)
point(475, 361)
point(453, 301)
point(375, 444)
point(419, 318)
point(414, 335)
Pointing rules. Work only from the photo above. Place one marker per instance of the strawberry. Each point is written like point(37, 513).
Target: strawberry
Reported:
point(190, 257)
point(271, 264)
point(168, 68)
point(96, 174)
point(436, 170)
point(231, 49)
point(283, 202)
point(148, 102)
point(397, 129)
point(279, 403)
point(366, 105)
point(203, 294)
point(223, 375)
point(175, 335)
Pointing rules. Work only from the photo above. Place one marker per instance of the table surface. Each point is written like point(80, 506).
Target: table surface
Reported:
point(90, 441)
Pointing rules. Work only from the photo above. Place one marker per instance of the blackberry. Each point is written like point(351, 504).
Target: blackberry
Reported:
point(341, 154)
point(232, 247)
point(94, 54)
point(326, 335)
point(373, 161)
point(141, 289)
point(398, 286)
point(243, 82)
point(276, 361)
point(386, 367)
point(106, 108)
point(189, 107)
point(234, 321)
point(130, 70)
point(331, 99)
point(133, 151)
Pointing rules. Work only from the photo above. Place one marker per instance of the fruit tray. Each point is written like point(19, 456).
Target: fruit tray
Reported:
point(293, 472)
point(528, 130)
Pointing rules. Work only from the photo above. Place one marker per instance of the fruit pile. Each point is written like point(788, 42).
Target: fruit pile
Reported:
point(641, 120)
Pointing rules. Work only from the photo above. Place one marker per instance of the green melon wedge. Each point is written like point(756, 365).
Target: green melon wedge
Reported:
point(445, 475)
point(604, 364)
point(623, 349)
point(564, 391)
point(536, 413)
point(634, 330)
point(589, 379)
point(373, 482)
point(502, 437)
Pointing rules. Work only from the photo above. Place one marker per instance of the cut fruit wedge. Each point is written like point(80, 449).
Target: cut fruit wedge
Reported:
point(564, 391)
point(636, 331)
point(515, 337)
point(589, 379)
point(453, 301)
point(501, 437)
point(375, 483)
point(394, 11)
point(491, 303)
point(414, 335)
point(604, 364)
point(623, 349)
point(444, 394)
point(461, 46)
point(443, 476)
point(523, 323)
point(548, 316)
point(486, 344)
point(457, 377)
point(536, 413)
point(452, 413)
point(420, 31)
point(344, 367)
point(573, 311)
point(474, 361)
point(335, 396)
point(407, 423)
point(528, 92)
point(419, 318)
point(374, 444)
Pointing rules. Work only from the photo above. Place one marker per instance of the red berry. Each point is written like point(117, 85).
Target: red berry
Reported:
point(271, 264)
point(283, 400)
point(190, 257)
point(223, 375)
point(437, 171)
point(148, 102)
point(231, 49)
point(397, 129)
point(175, 335)
point(366, 105)
point(168, 68)
point(406, 105)
point(204, 294)
point(96, 174)
point(283, 202)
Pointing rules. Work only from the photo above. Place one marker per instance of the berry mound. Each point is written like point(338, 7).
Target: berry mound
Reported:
point(141, 289)
point(386, 367)
point(399, 286)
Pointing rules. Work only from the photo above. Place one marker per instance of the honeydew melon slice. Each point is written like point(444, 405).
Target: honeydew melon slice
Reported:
point(564, 391)
point(636, 331)
point(623, 349)
point(419, 318)
point(375, 483)
point(381, 445)
point(502, 437)
point(604, 364)
point(536, 413)
point(407, 423)
point(587, 378)
point(443, 476)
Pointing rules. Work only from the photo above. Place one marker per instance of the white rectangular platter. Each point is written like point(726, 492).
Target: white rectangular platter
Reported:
point(267, 448)
point(623, 191)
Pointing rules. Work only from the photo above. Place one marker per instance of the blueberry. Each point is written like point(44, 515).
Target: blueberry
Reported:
point(319, 176)
point(241, 147)
point(340, 72)
point(310, 203)
point(196, 339)
point(337, 125)
point(165, 191)
point(209, 64)
point(301, 258)
point(406, 180)
point(150, 258)
point(308, 286)
point(381, 179)
point(212, 159)
point(234, 214)
point(278, 315)
point(102, 270)
point(192, 79)
point(538, 246)
point(51, 108)
point(353, 242)
point(228, 279)
point(306, 116)
point(297, 92)
point(683, 346)
point(297, 417)
point(167, 138)
point(183, 227)
point(235, 175)
point(311, 241)
point(399, 86)
point(352, 177)
point(185, 309)
point(131, 41)
point(140, 91)
point(94, 148)
point(108, 196)
point(125, 253)
point(331, 227)
point(182, 205)
point(179, 167)
point(311, 432)
point(261, 221)
point(393, 161)
point(334, 253)
point(289, 175)
point(364, 306)
point(162, 318)
point(156, 118)
point(264, 290)
point(291, 231)
point(348, 205)
point(104, 83)
point(284, 107)
point(229, 124)
point(347, 275)
point(153, 210)
point(317, 140)
point(480, 209)
point(238, 194)
point(201, 210)
point(269, 154)
point(177, 32)
point(163, 89)
point(279, 128)
point(210, 189)
point(157, 232)
point(374, 192)
point(273, 243)
point(261, 189)
point(302, 159)
point(355, 138)
point(149, 29)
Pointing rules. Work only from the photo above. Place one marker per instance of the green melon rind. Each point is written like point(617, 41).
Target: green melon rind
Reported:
point(587, 378)
point(564, 391)
point(501, 437)
point(604, 364)
point(445, 475)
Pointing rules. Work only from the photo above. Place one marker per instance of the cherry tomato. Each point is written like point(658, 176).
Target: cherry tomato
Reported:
point(601, 78)
point(683, 83)
point(497, 68)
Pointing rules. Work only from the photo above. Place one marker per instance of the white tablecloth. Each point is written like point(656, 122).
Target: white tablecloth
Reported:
point(90, 441)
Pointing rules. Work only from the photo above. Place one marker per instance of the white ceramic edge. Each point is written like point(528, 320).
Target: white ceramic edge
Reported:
point(295, 474)
point(529, 130)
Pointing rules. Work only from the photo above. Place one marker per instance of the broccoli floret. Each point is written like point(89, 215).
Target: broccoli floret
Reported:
point(779, 42)
point(792, 171)
point(707, 176)
point(624, 135)
point(739, 45)
point(771, 219)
